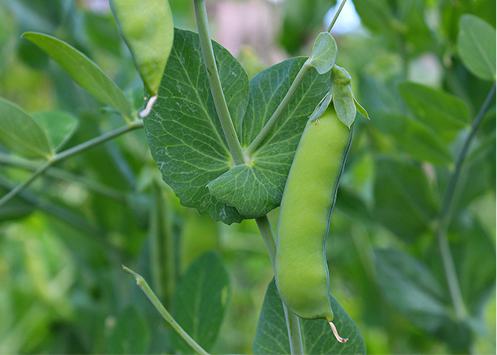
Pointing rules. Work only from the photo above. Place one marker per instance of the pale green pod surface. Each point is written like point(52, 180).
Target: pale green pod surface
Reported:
point(301, 268)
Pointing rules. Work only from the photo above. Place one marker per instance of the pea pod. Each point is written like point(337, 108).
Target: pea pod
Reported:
point(301, 269)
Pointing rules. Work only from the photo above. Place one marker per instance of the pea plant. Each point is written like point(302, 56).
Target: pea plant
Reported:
point(290, 149)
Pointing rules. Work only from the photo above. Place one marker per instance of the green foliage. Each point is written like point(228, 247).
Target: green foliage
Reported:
point(200, 301)
point(59, 126)
point(20, 133)
point(82, 70)
point(324, 53)
point(476, 46)
point(272, 336)
point(130, 334)
point(147, 28)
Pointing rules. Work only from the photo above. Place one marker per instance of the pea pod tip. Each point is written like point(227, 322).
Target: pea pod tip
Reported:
point(335, 333)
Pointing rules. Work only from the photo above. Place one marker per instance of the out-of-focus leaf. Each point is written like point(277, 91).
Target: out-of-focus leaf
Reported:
point(324, 53)
point(20, 133)
point(272, 335)
point(476, 46)
point(83, 71)
point(445, 114)
point(200, 301)
point(58, 125)
point(147, 27)
point(411, 288)
point(16, 208)
point(130, 335)
point(414, 138)
point(404, 201)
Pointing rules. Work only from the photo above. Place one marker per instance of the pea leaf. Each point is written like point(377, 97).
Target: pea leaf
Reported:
point(130, 335)
point(20, 133)
point(476, 46)
point(256, 188)
point(58, 125)
point(82, 70)
point(445, 114)
point(200, 301)
point(411, 288)
point(272, 335)
point(147, 28)
point(324, 53)
point(401, 183)
point(183, 130)
point(187, 141)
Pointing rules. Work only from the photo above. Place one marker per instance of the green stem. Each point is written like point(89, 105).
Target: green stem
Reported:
point(64, 175)
point(292, 320)
point(268, 127)
point(140, 281)
point(215, 83)
point(335, 18)
point(69, 153)
point(444, 221)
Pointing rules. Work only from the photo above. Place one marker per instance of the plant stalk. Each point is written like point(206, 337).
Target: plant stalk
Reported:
point(335, 18)
point(215, 83)
point(444, 220)
point(69, 153)
point(140, 281)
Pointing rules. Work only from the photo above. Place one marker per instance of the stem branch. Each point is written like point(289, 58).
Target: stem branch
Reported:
point(140, 281)
point(69, 153)
point(444, 221)
point(215, 83)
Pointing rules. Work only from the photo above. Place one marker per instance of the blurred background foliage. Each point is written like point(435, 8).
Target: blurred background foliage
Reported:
point(62, 241)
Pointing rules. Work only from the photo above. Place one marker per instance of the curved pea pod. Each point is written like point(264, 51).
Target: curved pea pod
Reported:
point(301, 268)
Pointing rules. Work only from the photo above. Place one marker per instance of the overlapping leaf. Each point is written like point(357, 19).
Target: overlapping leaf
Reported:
point(272, 335)
point(187, 142)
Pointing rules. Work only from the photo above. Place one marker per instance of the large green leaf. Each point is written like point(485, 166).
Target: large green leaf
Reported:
point(476, 46)
point(187, 141)
point(147, 28)
point(184, 132)
point(445, 114)
point(272, 335)
point(58, 125)
point(404, 201)
point(20, 133)
point(82, 70)
point(411, 288)
point(200, 301)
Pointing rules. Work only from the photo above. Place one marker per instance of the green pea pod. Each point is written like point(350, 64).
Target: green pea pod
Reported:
point(301, 268)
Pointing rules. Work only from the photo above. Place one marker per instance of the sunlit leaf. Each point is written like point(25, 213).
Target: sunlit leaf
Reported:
point(147, 28)
point(82, 70)
point(58, 125)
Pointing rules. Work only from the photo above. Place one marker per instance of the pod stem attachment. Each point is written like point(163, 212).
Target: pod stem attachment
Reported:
point(335, 333)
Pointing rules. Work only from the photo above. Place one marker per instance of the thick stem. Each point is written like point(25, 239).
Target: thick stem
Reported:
point(69, 153)
point(444, 221)
point(215, 83)
point(268, 127)
point(292, 320)
point(140, 281)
